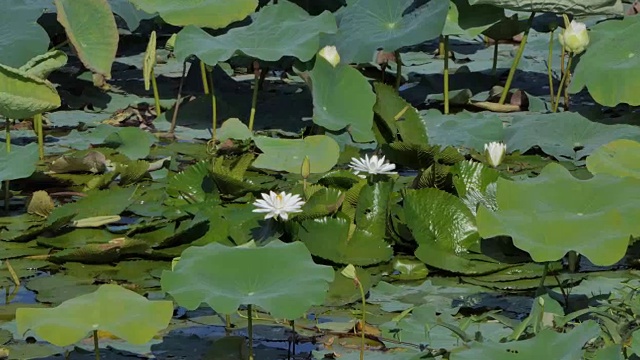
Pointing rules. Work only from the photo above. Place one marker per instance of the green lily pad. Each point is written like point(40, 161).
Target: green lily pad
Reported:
point(22, 36)
point(132, 142)
point(288, 154)
point(344, 291)
point(23, 95)
point(284, 288)
point(399, 116)
point(97, 203)
point(342, 98)
point(475, 184)
point(618, 158)
point(91, 29)
point(463, 129)
point(439, 219)
point(111, 308)
point(233, 129)
point(208, 13)
point(129, 13)
point(575, 7)
point(360, 243)
point(278, 30)
point(470, 20)
point(43, 65)
point(555, 213)
point(20, 163)
point(547, 344)
point(367, 25)
point(564, 135)
point(610, 71)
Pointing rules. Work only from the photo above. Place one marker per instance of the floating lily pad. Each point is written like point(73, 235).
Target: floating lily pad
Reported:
point(22, 36)
point(284, 288)
point(19, 163)
point(367, 25)
point(288, 154)
point(131, 142)
point(342, 98)
point(278, 30)
point(555, 213)
point(564, 135)
point(463, 129)
point(111, 308)
point(547, 344)
point(399, 116)
point(611, 73)
point(618, 158)
point(208, 13)
point(575, 7)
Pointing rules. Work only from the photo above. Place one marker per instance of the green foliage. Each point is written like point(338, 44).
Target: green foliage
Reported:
point(23, 95)
point(575, 7)
point(110, 308)
point(209, 13)
point(288, 154)
point(19, 163)
point(618, 158)
point(260, 277)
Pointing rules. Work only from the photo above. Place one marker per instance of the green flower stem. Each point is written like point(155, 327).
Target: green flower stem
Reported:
point(96, 346)
point(516, 61)
point(446, 73)
point(398, 69)
point(441, 48)
point(174, 118)
point(550, 64)
point(227, 324)
point(254, 100)
point(203, 75)
point(364, 314)
point(545, 271)
point(561, 86)
point(250, 330)
point(37, 122)
point(156, 94)
point(573, 261)
point(494, 68)
point(214, 106)
point(7, 193)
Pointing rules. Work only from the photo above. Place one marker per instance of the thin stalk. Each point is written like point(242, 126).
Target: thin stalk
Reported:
point(214, 106)
point(7, 193)
point(156, 94)
point(398, 70)
point(96, 346)
point(545, 271)
point(441, 48)
point(549, 65)
point(566, 90)
point(174, 118)
point(446, 74)
point(516, 61)
point(203, 75)
point(494, 68)
point(254, 100)
point(562, 81)
point(293, 329)
point(573, 261)
point(364, 316)
point(250, 330)
point(227, 324)
point(37, 122)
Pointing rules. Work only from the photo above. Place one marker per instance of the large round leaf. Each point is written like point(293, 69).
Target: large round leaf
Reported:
point(547, 344)
point(361, 242)
point(91, 29)
point(470, 21)
point(342, 98)
point(278, 30)
point(437, 218)
point(204, 13)
point(555, 213)
point(564, 135)
point(111, 308)
point(368, 25)
point(575, 7)
point(618, 158)
point(22, 37)
point(23, 95)
point(20, 163)
point(281, 278)
point(288, 154)
point(610, 69)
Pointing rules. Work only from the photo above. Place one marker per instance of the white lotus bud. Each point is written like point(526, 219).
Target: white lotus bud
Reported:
point(330, 53)
point(575, 37)
point(494, 153)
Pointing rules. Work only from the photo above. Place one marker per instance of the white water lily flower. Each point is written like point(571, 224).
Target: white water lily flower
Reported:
point(494, 152)
point(278, 205)
point(575, 37)
point(372, 165)
point(330, 53)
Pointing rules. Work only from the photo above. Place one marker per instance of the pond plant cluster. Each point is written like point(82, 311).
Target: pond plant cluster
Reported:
point(379, 179)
